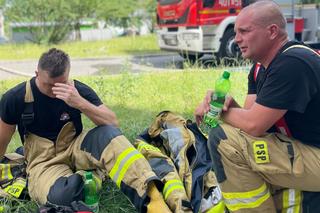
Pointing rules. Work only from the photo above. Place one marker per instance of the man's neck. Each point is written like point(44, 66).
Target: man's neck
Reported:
point(273, 52)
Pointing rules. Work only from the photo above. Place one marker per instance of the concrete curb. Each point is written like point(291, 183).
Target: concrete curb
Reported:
point(15, 72)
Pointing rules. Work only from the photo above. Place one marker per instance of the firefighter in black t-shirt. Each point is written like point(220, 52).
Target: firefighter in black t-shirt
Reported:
point(47, 110)
point(283, 95)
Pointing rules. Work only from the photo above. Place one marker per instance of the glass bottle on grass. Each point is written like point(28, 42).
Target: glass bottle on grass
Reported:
point(222, 87)
point(91, 192)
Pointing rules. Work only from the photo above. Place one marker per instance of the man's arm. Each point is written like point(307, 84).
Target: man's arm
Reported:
point(255, 121)
point(250, 100)
point(100, 115)
point(6, 132)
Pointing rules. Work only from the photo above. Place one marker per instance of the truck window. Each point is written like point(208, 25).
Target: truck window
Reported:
point(208, 3)
point(166, 2)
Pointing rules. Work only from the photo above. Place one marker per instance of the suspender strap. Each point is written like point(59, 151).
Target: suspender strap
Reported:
point(256, 71)
point(317, 52)
point(27, 116)
point(282, 127)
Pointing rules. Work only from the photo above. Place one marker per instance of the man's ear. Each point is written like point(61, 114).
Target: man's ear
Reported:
point(273, 31)
point(37, 73)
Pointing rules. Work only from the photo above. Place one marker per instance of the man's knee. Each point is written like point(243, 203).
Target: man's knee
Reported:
point(98, 138)
point(66, 190)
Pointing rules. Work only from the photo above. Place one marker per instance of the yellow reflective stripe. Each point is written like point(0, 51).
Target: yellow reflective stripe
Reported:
point(123, 162)
point(250, 194)
point(218, 208)
point(6, 172)
point(171, 186)
point(215, 11)
point(291, 201)
point(146, 146)
point(119, 159)
point(251, 199)
point(126, 167)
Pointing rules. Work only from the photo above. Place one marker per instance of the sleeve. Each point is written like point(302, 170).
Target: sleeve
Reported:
point(88, 93)
point(289, 85)
point(252, 88)
point(10, 109)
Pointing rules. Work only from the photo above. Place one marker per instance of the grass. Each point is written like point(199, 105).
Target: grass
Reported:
point(137, 99)
point(131, 45)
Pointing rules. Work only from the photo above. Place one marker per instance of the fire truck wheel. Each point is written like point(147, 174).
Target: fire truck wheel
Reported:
point(189, 57)
point(228, 47)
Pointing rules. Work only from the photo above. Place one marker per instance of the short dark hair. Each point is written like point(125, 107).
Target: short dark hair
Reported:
point(55, 62)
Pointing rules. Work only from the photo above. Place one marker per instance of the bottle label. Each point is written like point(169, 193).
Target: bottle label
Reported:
point(214, 111)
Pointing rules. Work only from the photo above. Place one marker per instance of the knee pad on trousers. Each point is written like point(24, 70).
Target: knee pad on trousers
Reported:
point(98, 139)
point(65, 190)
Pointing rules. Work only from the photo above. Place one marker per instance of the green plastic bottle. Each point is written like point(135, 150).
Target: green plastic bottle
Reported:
point(90, 192)
point(222, 87)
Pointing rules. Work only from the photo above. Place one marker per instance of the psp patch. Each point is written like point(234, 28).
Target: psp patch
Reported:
point(260, 151)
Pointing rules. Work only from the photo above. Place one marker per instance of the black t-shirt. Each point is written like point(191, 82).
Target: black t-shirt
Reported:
point(292, 82)
point(50, 114)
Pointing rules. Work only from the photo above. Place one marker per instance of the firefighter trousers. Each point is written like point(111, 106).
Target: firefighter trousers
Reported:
point(51, 166)
point(247, 166)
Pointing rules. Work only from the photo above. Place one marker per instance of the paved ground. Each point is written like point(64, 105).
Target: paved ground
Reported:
point(96, 66)
point(106, 66)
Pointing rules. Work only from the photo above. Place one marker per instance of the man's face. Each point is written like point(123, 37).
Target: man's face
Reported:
point(45, 82)
point(251, 37)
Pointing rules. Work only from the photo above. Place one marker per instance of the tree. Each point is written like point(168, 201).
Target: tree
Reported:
point(117, 12)
point(126, 13)
point(54, 19)
point(80, 10)
point(48, 21)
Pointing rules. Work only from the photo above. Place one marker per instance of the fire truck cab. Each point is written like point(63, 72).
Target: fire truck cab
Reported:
point(196, 27)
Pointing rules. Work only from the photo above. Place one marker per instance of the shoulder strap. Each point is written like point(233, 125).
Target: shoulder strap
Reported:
point(304, 47)
point(256, 71)
point(27, 116)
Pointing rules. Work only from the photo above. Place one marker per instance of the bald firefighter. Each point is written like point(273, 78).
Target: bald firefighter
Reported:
point(273, 142)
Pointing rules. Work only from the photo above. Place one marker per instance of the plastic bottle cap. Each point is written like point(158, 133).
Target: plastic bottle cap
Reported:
point(88, 175)
point(226, 75)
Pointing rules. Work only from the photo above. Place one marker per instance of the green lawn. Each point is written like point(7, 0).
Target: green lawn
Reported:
point(131, 45)
point(137, 99)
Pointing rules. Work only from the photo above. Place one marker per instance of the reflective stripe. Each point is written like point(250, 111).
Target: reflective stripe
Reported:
point(291, 201)
point(171, 186)
point(124, 161)
point(148, 147)
point(215, 11)
point(241, 200)
point(6, 172)
point(219, 208)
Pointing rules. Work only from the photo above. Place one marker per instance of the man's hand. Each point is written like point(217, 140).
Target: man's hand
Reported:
point(203, 107)
point(68, 93)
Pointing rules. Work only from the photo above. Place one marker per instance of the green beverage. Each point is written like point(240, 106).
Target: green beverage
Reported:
point(222, 87)
point(90, 192)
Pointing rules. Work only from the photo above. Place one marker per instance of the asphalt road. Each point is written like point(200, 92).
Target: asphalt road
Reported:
point(97, 66)
point(105, 66)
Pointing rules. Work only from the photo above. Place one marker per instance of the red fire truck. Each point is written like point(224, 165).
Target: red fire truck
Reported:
point(197, 27)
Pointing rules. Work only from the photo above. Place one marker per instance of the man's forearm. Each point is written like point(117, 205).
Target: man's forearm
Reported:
point(239, 118)
point(100, 115)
